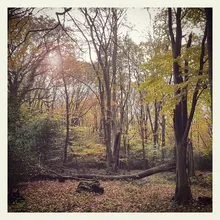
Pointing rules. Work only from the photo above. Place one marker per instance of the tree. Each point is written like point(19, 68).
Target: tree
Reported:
point(157, 73)
point(102, 37)
point(135, 55)
point(181, 120)
point(208, 12)
point(190, 159)
point(122, 101)
point(66, 103)
point(26, 53)
point(125, 70)
point(30, 40)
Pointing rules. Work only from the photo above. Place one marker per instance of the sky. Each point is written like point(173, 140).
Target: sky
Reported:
point(141, 19)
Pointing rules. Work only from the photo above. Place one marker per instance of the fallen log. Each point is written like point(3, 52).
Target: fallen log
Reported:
point(145, 173)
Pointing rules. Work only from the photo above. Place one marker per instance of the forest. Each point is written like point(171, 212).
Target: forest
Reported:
point(103, 120)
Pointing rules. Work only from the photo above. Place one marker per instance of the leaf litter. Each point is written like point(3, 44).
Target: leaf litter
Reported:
point(119, 196)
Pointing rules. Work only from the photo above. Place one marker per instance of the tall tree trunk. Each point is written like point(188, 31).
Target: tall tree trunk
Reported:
point(155, 131)
point(146, 137)
point(190, 159)
point(142, 130)
point(106, 122)
point(116, 151)
point(128, 156)
point(115, 135)
point(163, 131)
point(183, 192)
point(125, 126)
point(101, 45)
point(67, 124)
point(67, 107)
point(53, 102)
point(208, 12)
point(102, 133)
point(198, 140)
point(108, 131)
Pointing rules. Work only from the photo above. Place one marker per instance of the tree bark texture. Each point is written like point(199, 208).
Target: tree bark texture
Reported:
point(116, 151)
point(183, 192)
point(208, 12)
point(67, 107)
point(190, 159)
point(142, 129)
point(163, 131)
point(114, 71)
point(155, 130)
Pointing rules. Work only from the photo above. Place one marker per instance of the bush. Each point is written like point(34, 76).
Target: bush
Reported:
point(31, 144)
point(47, 139)
point(203, 162)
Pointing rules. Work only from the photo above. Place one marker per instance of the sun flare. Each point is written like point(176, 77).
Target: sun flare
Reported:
point(53, 59)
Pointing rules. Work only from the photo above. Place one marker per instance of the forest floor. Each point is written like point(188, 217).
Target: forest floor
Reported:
point(151, 194)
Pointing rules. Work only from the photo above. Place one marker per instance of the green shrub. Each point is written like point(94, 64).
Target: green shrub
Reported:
point(34, 142)
point(203, 162)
